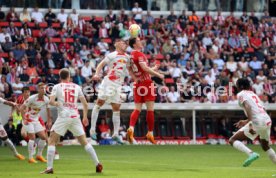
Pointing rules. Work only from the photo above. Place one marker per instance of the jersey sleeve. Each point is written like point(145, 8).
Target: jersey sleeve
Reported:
point(79, 91)
point(241, 98)
point(54, 91)
point(107, 59)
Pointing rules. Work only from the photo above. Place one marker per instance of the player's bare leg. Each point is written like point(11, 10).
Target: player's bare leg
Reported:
point(41, 145)
point(116, 122)
point(236, 142)
point(52, 141)
point(94, 118)
point(270, 152)
point(31, 144)
point(11, 146)
point(132, 122)
point(90, 150)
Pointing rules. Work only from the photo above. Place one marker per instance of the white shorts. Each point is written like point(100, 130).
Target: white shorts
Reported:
point(74, 125)
point(3, 132)
point(34, 127)
point(110, 92)
point(262, 129)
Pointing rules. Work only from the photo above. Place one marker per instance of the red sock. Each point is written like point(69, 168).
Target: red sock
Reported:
point(150, 120)
point(134, 117)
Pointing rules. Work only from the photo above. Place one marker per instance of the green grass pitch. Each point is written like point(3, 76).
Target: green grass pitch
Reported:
point(143, 162)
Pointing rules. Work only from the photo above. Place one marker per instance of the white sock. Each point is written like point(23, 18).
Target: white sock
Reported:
point(151, 132)
point(50, 156)
point(90, 150)
point(40, 145)
point(94, 118)
point(241, 147)
point(116, 122)
point(31, 148)
point(271, 154)
point(11, 146)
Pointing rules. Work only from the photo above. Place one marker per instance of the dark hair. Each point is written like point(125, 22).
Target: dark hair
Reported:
point(131, 42)
point(25, 89)
point(243, 84)
point(64, 74)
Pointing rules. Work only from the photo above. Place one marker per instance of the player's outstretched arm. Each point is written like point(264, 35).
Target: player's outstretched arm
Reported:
point(9, 103)
point(85, 110)
point(98, 69)
point(150, 71)
point(49, 118)
point(53, 101)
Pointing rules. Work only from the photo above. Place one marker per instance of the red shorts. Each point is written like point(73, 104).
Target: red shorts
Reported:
point(144, 91)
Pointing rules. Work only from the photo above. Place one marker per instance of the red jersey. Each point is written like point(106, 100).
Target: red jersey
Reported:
point(20, 100)
point(137, 58)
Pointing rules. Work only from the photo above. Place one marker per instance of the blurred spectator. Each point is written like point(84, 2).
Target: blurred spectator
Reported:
point(173, 96)
point(258, 88)
point(104, 130)
point(78, 78)
point(4, 34)
point(25, 16)
point(17, 86)
point(37, 16)
point(24, 77)
point(62, 17)
point(11, 132)
point(12, 15)
point(25, 31)
point(7, 46)
point(50, 46)
point(2, 14)
point(50, 16)
point(137, 13)
point(75, 17)
point(51, 77)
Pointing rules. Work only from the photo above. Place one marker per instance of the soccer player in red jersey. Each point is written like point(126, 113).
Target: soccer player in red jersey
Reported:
point(143, 89)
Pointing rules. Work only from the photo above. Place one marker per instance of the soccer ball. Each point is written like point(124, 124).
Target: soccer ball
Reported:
point(134, 30)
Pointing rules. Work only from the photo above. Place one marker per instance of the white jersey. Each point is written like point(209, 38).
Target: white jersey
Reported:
point(67, 95)
point(117, 64)
point(35, 105)
point(257, 107)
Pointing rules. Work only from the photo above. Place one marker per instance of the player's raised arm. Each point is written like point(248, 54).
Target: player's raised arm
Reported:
point(150, 70)
point(99, 68)
point(23, 110)
point(85, 110)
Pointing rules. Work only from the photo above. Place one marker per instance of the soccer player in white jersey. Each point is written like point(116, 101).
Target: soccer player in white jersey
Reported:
point(67, 95)
point(30, 111)
point(110, 89)
point(4, 135)
point(258, 123)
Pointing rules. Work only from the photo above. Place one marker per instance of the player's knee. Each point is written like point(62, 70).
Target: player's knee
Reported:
point(231, 141)
point(265, 145)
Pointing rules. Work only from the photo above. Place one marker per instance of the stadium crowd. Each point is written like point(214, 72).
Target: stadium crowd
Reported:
point(193, 52)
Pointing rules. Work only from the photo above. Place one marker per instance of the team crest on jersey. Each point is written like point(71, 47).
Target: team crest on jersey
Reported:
point(121, 61)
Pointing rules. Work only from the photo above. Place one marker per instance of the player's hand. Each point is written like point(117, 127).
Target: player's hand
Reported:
point(251, 130)
point(161, 76)
point(85, 121)
point(241, 123)
point(96, 77)
point(156, 67)
point(49, 124)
